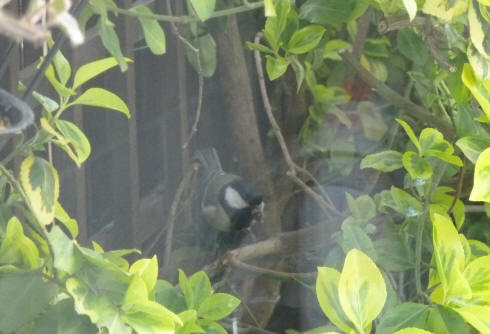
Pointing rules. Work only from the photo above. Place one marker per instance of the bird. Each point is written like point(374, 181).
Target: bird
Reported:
point(229, 202)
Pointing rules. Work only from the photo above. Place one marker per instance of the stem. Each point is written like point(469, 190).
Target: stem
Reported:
point(188, 19)
point(420, 230)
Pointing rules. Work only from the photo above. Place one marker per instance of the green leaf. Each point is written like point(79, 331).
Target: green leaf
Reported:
point(217, 306)
point(275, 24)
point(386, 161)
point(405, 203)
point(62, 318)
point(477, 316)
point(99, 308)
point(40, 182)
point(47, 103)
point(76, 138)
point(212, 327)
point(479, 29)
point(16, 248)
point(63, 250)
point(334, 47)
point(481, 183)
point(203, 8)
point(411, 7)
point(61, 89)
point(472, 146)
point(305, 39)
point(207, 55)
point(99, 97)
point(478, 275)
point(93, 69)
point(110, 40)
point(480, 89)
point(444, 320)
point(153, 32)
point(62, 67)
point(450, 260)
point(445, 10)
point(150, 317)
point(269, 9)
point(201, 287)
point(362, 208)
point(327, 284)
point(410, 134)
point(362, 290)
point(147, 269)
point(62, 216)
point(412, 46)
point(479, 62)
point(299, 72)
point(445, 201)
point(25, 296)
point(354, 237)
point(167, 295)
point(186, 288)
point(416, 166)
point(327, 12)
point(276, 66)
point(402, 316)
point(433, 144)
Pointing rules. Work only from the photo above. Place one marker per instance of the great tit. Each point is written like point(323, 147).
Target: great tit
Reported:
point(228, 202)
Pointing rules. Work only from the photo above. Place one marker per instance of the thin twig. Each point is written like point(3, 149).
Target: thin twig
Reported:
point(169, 227)
point(434, 51)
point(398, 100)
point(274, 274)
point(187, 19)
point(324, 201)
point(200, 77)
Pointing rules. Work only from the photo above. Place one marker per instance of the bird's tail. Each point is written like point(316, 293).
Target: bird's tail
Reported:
point(210, 162)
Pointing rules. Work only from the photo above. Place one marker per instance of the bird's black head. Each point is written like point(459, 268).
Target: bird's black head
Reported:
point(240, 199)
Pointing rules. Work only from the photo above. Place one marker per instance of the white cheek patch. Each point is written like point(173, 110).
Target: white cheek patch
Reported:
point(234, 199)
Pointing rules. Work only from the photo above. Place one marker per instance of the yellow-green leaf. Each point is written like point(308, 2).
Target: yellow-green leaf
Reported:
point(481, 183)
point(410, 133)
point(416, 166)
point(70, 223)
point(478, 275)
point(40, 182)
point(93, 69)
point(362, 290)
point(445, 10)
point(16, 248)
point(99, 97)
point(269, 8)
point(479, 88)
point(327, 284)
point(203, 8)
point(147, 269)
point(76, 139)
point(412, 330)
point(477, 316)
point(479, 28)
point(449, 257)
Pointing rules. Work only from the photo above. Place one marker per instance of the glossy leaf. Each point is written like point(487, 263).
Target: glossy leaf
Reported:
point(327, 293)
point(479, 27)
point(201, 287)
point(472, 146)
point(334, 47)
point(450, 259)
point(76, 139)
point(93, 69)
point(62, 216)
point(269, 9)
point(412, 330)
point(203, 8)
point(99, 97)
point(153, 32)
point(479, 63)
point(217, 306)
point(62, 67)
point(481, 183)
point(444, 10)
point(275, 25)
point(402, 316)
point(26, 295)
point(207, 55)
point(147, 269)
point(478, 275)
point(416, 166)
point(477, 316)
point(480, 89)
point(305, 39)
point(362, 290)
point(110, 40)
point(40, 182)
point(444, 320)
point(327, 12)
point(61, 89)
point(299, 73)
point(410, 133)
point(276, 67)
point(386, 161)
point(18, 249)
